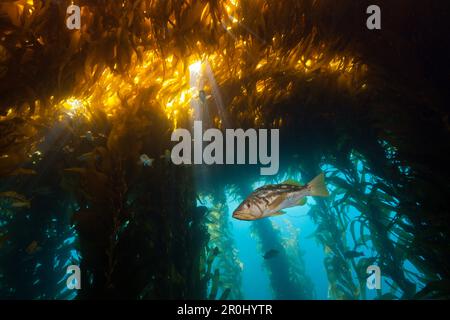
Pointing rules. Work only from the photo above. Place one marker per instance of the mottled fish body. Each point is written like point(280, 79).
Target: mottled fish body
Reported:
point(270, 200)
point(145, 160)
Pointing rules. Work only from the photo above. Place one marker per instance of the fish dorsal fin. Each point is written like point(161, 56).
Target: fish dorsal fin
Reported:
point(278, 213)
point(292, 182)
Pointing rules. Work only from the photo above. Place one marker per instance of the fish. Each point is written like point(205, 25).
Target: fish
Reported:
point(89, 136)
point(145, 160)
point(23, 171)
point(68, 149)
point(271, 254)
point(87, 156)
point(166, 156)
point(270, 200)
point(353, 254)
point(17, 200)
point(21, 204)
point(202, 96)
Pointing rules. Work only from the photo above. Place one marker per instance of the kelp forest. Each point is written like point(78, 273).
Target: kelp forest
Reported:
point(87, 116)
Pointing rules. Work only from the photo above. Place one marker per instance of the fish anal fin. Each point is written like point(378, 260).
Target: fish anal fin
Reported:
point(302, 201)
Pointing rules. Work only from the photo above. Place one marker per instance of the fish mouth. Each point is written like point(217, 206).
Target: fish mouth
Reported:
point(243, 216)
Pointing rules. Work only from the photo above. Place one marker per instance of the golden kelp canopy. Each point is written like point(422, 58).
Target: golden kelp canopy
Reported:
point(131, 52)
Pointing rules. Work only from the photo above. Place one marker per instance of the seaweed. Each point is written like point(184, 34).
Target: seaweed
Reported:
point(288, 279)
point(227, 260)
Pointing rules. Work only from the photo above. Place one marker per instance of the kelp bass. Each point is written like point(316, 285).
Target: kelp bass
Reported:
point(270, 200)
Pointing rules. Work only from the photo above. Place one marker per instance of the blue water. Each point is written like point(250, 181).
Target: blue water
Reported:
point(296, 225)
point(255, 281)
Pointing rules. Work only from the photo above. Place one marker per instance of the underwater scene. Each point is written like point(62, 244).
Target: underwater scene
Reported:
point(224, 150)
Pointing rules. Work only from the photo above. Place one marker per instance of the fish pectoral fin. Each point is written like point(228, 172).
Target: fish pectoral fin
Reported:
point(277, 202)
point(278, 213)
point(292, 182)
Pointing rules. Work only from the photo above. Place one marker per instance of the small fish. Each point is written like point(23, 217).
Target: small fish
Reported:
point(23, 171)
point(17, 200)
point(33, 247)
point(269, 200)
point(166, 156)
point(145, 160)
point(87, 156)
point(352, 254)
point(271, 254)
point(88, 136)
point(68, 149)
point(21, 204)
point(203, 96)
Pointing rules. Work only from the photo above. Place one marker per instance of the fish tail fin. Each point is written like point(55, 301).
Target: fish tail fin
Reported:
point(317, 186)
